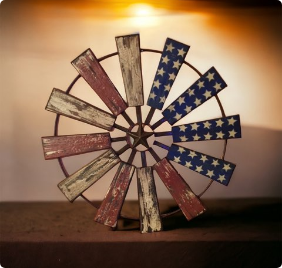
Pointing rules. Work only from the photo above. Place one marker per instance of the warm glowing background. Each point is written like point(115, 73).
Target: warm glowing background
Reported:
point(39, 39)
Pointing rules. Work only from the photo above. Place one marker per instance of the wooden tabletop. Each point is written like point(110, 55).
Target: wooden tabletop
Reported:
point(231, 233)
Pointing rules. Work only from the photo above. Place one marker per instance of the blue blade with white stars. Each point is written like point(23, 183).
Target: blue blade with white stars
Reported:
point(214, 168)
point(207, 86)
point(172, 58)
point(215, 129)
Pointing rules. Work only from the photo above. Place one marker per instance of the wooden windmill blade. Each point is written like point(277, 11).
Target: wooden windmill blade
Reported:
point(81, 180)
point(68, 145)
point(75, 108)
point(150, 218)
point(130, 63)
point(215, 129)
point(91, 70)
point(109, 211)
point(207, 86)
point(187, 201)
point(214, 168)
point(171, 60)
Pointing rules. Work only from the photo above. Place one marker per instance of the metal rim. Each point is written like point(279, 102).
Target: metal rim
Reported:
point(57, 121)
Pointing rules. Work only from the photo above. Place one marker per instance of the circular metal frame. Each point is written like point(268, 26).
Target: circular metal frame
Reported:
point(57, 120)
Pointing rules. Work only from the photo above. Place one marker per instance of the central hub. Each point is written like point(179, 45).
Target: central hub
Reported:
point(138, 137)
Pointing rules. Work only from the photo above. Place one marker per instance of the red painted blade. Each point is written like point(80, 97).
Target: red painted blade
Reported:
point(91, 70)
point(150, 218)
point(75, 108)
point(187, 201)
point(81, 180)
point(110, 208)
point(130, 63)
point(68, 145)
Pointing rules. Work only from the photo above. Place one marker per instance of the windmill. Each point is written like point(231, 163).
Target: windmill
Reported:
point(137, 133)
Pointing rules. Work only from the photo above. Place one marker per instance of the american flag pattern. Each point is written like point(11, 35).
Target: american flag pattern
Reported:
point(172, 58)
point(214, 168)
point(215, 129)
point(207, 86)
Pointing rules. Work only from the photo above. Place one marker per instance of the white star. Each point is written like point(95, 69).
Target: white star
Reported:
point(191, 92)
point(177, 116)
point(196, 137)
point(232, 133)
point(226, 167)
point(219, 135)
point(208, 136)
point(200, 84)
point(162, 99)
point(210, 76)
point(171, 76)
point(181, 100)
point(192, 154)
point(171, 108)
point(199, 168)
point(181, 150)
point(176, 64)
point(194, 126)
point(183, 138)
point(207, 124)
point(161, 72)
point(188, 109)
point(176, 159)
point(182, 128)
point(152, 95)
point(231, 121)
point(181, 52)
point(188, 164)
point(167, 87)
point(169, 47)
point(165, 60)
point(215, 162)
point(219, 123)
point(207, 94)
point(221, 178)
point(210, 173)
point(217, 86)
point(157, 84)
point(197, 102)
point(204, 158)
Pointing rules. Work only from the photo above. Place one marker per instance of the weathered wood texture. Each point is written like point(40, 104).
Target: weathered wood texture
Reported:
point(214, 129)
point(110, 208)
point(78, 182)
point(150, 219)
point(187, 201)
point(67, 145)
point(130, 63)
point(94, 74)
point(75, 108)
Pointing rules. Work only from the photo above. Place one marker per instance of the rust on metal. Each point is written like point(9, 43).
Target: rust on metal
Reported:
point(91, 70)
point(67, 145)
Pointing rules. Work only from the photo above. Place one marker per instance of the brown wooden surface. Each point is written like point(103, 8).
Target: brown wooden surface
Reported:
point(130, 63)
point(232, 233)
point(78, 182)
point(94, 74)
point(150, 219)
point(75, 108)
point(110, 208)
point(67, 145)
point(187, 201)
